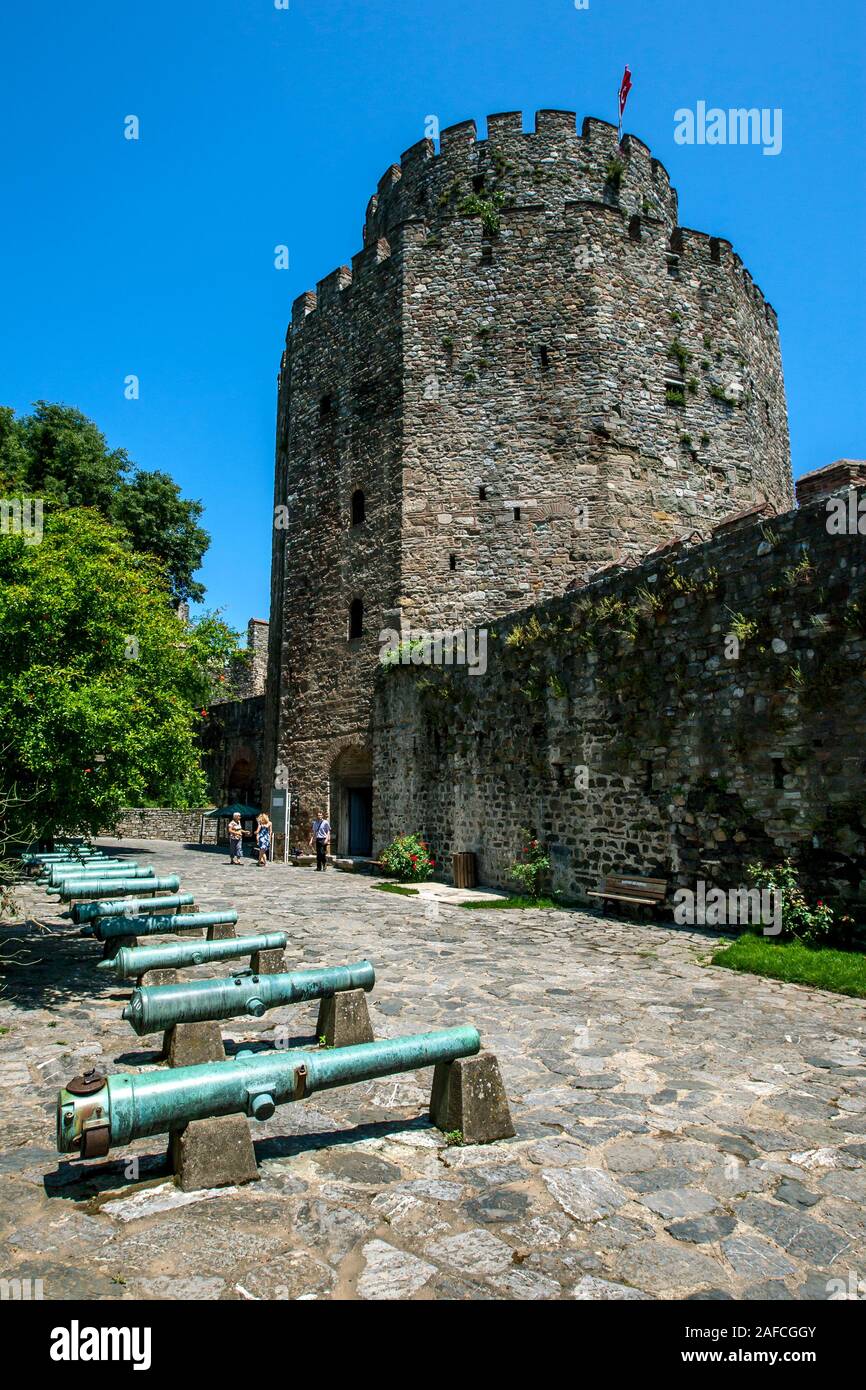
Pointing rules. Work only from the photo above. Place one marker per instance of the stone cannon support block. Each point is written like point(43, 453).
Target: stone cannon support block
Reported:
point(224, 931)
point(213, 1153)
point(267, 962)
point(468, 1095)
point(157, 977)
point(189, 1044)
point(344, 1019)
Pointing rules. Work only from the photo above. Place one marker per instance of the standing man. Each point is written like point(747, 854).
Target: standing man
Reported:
point(321, 834)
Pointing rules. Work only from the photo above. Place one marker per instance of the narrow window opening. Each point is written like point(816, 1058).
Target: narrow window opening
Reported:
point(482, 494)
point(516, 513)
point(356, 618)
point(326, 405)
point(452, 562)
point(544, 356)
point(358, 507)
point(634, 228)
point(715, 250)
point(648, 775)
point(778, 774)
point(478, 182)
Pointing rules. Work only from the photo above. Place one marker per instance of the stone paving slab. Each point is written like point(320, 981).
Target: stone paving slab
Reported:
point(682, 1132)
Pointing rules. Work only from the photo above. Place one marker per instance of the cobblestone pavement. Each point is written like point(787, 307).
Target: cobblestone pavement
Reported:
point(682, 1132)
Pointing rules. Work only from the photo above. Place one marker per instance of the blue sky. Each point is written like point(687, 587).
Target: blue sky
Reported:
point(262, 126)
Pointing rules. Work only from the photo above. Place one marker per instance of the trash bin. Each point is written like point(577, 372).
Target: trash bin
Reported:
point(465, 869)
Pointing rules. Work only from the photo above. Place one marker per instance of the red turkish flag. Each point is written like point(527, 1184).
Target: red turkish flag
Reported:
point(624, 90)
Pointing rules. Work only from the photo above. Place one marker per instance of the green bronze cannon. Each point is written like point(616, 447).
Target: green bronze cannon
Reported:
point(96, 1113)
point(111, 868)
point(62, 856)
point(109, 928)
point(132, 961)
point(87, 865)
point(102, 887)
point(154, 1008)
point(59, 877)
point(40, 863)
point(126, 907)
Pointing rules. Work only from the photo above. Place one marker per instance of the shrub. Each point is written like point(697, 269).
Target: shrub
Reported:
point(534, 861)
point(813, 926)
point(409, 859)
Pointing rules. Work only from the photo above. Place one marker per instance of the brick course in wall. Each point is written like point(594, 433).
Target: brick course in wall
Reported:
point(531, 370)
point(618, 725)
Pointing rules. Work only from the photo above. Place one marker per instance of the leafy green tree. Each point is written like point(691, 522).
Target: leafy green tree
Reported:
point(14, 459)
point(103, 689)
point(68, 458)
point(58, 454)
point(161, 522)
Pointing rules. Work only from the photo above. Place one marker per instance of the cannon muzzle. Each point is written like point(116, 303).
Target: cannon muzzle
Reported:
point(155, 1007)
point(131, 961)
point(127, 907)
point(104, 928)
point(96, 1113)
point(103, 887)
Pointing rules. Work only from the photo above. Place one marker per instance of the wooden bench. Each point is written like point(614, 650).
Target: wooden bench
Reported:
point(632, 888)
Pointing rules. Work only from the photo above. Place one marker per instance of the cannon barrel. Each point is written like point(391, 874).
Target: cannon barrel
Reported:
point(174, 955)
point(65, 866)
point(42, 863)
point(56, 880)
point(96, 1113)
point(72, 866)
point(126, 907)
point(104, 928)
point(155, 1007)
point(57, 873)
point(71, 856)
point(102, 887)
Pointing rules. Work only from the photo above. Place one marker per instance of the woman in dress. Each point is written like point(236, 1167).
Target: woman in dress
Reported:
point(263, 838)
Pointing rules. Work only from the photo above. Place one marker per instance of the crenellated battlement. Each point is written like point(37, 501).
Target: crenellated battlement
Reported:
point(551, 169)
point(550, 163)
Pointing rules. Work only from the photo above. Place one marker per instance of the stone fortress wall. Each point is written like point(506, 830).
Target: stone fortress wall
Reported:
point(613, 722)
point(530, 371)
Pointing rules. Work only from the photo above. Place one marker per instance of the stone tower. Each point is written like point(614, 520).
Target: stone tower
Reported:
point(530, 370)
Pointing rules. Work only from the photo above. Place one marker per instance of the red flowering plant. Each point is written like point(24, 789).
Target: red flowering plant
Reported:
point(533, 862)
point(813, 926)
point(409, 859)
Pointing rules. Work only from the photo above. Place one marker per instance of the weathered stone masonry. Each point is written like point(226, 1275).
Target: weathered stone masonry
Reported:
point(528, 331)
point(695, 764)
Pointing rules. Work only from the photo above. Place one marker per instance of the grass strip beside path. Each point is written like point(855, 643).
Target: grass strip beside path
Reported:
point(840, 972)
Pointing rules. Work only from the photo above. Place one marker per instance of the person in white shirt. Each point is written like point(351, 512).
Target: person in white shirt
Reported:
point(320, 835)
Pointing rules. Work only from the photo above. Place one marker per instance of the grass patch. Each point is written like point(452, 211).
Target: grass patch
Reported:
point(397, 888)
point(840, 972)
point(513, 902)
